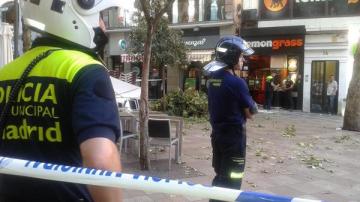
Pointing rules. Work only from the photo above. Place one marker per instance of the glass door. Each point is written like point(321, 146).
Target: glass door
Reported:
point(321, 72)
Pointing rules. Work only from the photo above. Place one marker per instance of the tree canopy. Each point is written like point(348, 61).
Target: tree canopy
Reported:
point(167, 45)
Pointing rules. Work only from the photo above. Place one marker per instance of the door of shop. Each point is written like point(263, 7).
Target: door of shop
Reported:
point(320, 75)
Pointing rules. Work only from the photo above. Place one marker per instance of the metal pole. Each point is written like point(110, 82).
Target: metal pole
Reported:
point(16, 29)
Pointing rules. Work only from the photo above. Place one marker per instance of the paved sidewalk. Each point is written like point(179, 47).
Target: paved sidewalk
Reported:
point(295, 154)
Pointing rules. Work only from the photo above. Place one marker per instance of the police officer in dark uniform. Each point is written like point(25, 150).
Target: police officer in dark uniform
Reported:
point(230, 105)
point(57, 104)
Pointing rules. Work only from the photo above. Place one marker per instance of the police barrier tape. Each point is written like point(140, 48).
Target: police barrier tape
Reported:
point(92, 176)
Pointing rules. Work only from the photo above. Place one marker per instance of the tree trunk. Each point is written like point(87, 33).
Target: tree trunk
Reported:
point(163, 80)
point(144, 105)
point(163, 91)
point(152, 22)
point(26, 37)
point(352, 110)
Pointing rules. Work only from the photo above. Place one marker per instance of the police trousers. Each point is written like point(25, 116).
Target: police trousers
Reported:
point(229, 150)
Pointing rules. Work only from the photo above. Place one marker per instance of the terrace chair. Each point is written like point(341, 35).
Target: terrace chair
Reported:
point(160, 135)
point(125, 135)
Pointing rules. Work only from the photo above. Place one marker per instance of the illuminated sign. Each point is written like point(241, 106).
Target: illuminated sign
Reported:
point(122, 44)
point(306, 1)
point(195, 43)
point(275, 5)
point(129, 58)
point(353, 1)
point(277, 44)
point(201, 42)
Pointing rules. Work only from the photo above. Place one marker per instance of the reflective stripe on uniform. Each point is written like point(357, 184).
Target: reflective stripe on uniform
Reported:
point(62, 64)
point(268, 78)
point(236, 175)
point(238, 160)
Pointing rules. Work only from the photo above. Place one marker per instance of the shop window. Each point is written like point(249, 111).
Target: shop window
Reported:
point(7, 12)
point(278, 61)
point(194, 79)
point(111, 18)
point(215, 10)
point(309, 8)
point(344, 8)
point(185, 11)
point(155, 82)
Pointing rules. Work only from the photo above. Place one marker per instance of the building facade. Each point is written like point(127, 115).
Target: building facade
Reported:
point(202, 23)
point(306, 40)
point(330, 30)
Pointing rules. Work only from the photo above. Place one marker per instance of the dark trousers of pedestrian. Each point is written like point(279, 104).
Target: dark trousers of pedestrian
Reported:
point(295, 101)
point(276, 95)
point(268, 100)
point(229, 150)
point(289, 100)
point(331, 104)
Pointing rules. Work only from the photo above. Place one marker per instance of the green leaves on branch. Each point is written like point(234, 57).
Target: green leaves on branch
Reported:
point(190, 103)
point(167, 45)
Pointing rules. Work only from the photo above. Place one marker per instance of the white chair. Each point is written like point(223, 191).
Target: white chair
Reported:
point(125, 133)
point(132, 104)
point(160, 135)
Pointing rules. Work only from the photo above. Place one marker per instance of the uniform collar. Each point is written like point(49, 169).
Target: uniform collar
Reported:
point(63, 44)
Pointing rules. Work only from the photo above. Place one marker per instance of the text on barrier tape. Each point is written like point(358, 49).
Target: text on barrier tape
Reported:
point(91, 176)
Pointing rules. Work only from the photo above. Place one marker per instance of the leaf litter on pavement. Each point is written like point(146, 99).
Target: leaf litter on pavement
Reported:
point(289, 131)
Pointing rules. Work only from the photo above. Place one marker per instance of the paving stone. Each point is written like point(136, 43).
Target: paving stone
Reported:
point(280, 168)
point(144, 198)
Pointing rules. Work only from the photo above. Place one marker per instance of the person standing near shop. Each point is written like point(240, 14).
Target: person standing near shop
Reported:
point(296, 91)
point(331, 92)
point(269, 90)
point(289, 85)
point(64, 111)
point(230, 105)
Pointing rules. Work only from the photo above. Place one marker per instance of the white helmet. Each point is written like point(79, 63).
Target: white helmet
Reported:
point(73, 20)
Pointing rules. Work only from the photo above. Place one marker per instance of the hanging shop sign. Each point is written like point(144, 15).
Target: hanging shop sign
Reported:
point(275, 5)
point(122, 44)
point(307, 1)
point(201, 42)
point(274, 9)
point(129, 58)
point(277, 44)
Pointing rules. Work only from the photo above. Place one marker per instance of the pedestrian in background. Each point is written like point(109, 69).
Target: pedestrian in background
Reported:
point(230, 105)
point(331, 92)
point(70, 114)
point(295, 91)
point(288, 88)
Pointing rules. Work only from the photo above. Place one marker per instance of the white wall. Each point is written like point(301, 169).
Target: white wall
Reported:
point(315, 24)
point(323, 47)
point(250, 4)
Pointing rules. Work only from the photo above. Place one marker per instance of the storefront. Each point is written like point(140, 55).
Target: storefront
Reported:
point(326, 55)
point(201, 42)
point(127, 66)
point(331, 29)
point(278, 50)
